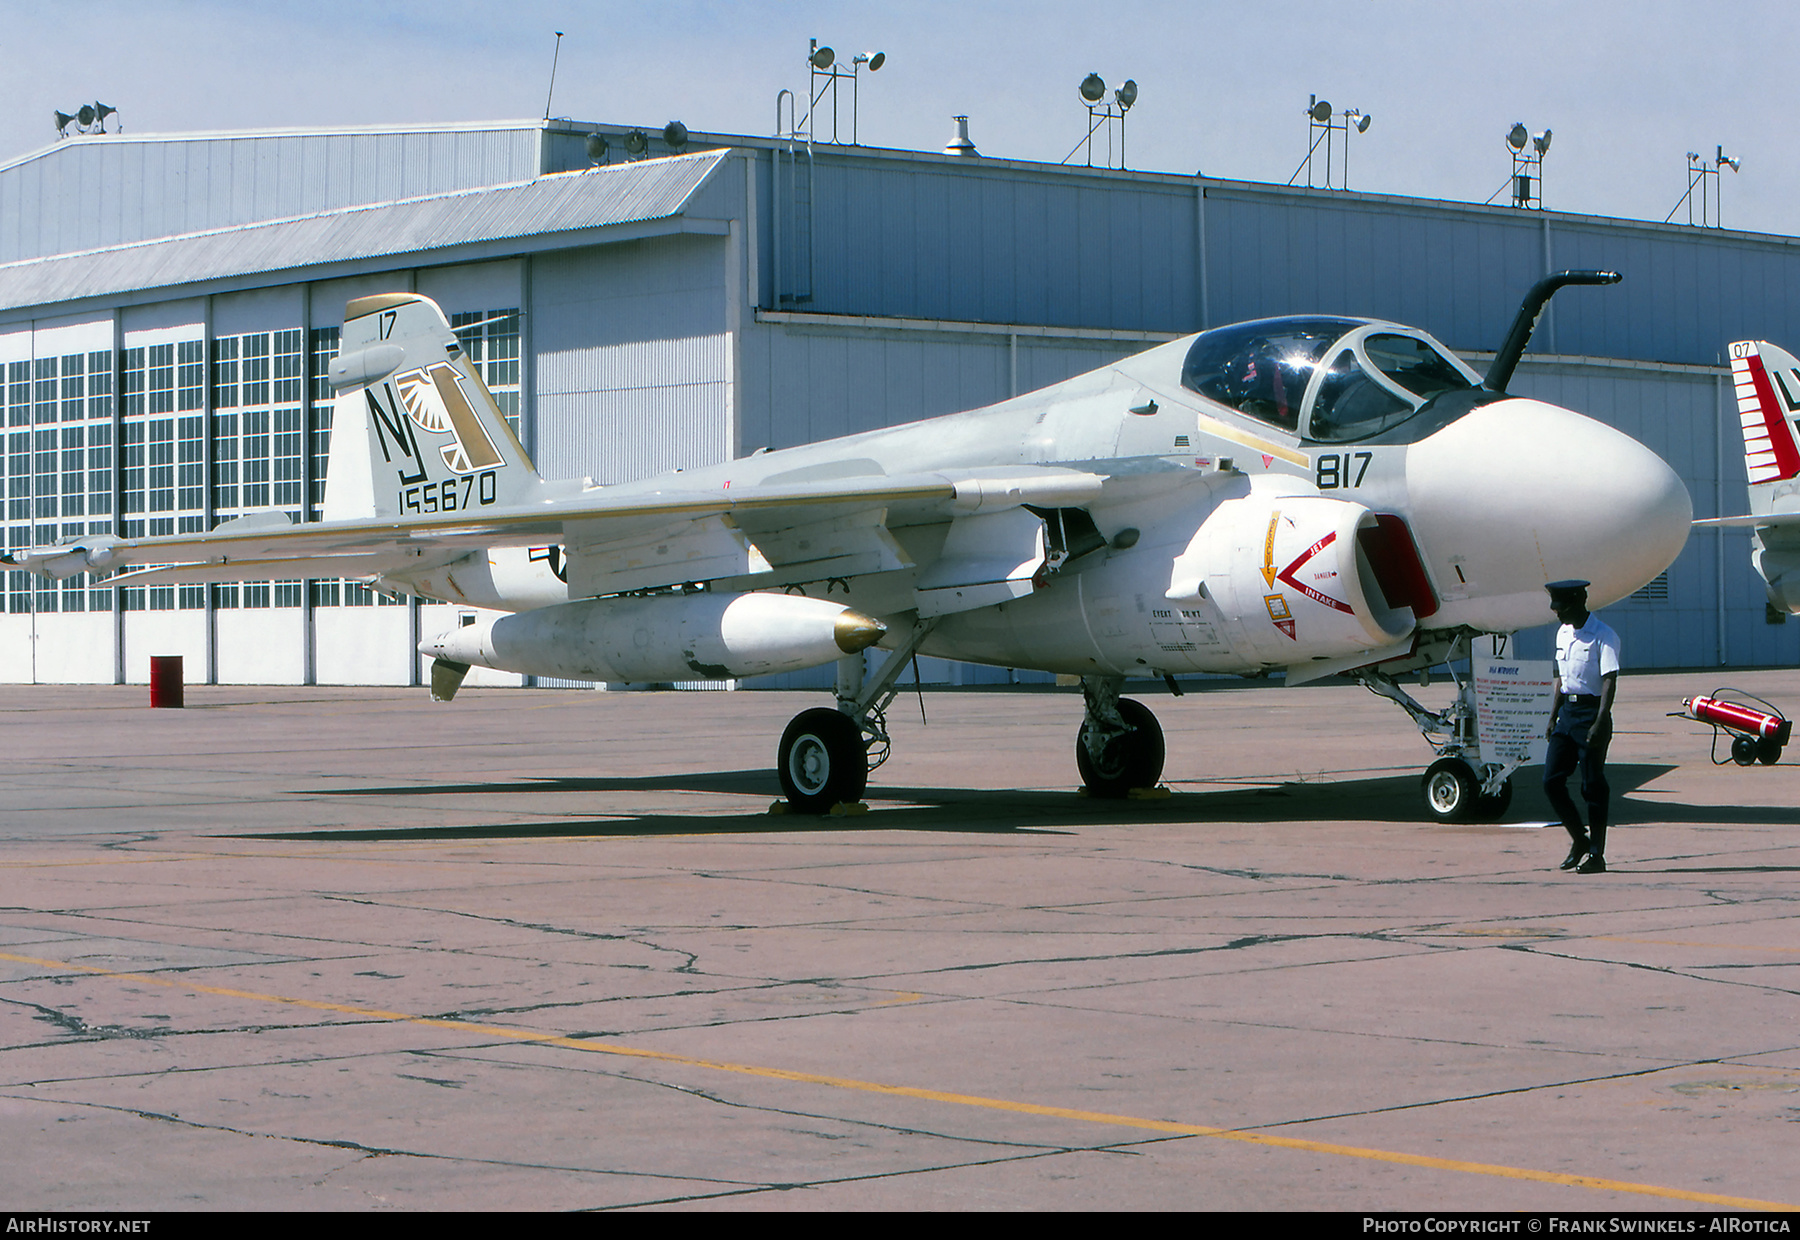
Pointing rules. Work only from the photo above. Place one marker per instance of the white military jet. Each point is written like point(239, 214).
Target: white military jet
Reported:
point(1307, 496)
point(1768, 395)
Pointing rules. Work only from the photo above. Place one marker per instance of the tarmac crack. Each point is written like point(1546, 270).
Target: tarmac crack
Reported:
point(1123, 1148)
point(368, 1151)
point(1530, 949)
point(691, 958)
point(1453, 1100)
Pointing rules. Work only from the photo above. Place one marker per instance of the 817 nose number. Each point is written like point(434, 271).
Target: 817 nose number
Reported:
point(1332, 470)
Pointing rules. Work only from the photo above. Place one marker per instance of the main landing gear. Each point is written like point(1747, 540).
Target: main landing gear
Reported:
point(1460, 786)
point(1120, 746)
point(826, 755)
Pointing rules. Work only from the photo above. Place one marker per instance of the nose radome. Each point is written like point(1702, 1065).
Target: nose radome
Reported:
point(1519, 493)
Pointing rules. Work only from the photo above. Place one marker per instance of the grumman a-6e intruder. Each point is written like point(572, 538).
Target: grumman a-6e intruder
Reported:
point(1309, 496)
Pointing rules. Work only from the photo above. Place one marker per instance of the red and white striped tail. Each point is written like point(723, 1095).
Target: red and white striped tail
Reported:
point(1768, 394)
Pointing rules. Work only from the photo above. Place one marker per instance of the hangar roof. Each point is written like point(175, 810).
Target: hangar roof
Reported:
point(650, 192)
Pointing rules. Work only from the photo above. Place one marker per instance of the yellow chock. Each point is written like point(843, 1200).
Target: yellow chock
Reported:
point(780, 807)
point(843, 809)
point(1158, 793)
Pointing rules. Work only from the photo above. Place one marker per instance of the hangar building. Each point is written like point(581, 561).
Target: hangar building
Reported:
point(169, 304)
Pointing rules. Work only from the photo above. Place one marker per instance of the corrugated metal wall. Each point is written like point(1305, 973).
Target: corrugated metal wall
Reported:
point(804, 383)
point(992, 244)
point(984, 242)
point(633, 359)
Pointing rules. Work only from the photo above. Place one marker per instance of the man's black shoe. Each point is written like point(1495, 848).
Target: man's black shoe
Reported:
point(1595, 864)
point(1577, 851)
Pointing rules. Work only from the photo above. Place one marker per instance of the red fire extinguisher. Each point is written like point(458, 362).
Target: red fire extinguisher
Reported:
point(1757, 735)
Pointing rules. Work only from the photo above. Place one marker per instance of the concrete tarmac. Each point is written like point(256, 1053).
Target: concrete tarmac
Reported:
point(348, 949)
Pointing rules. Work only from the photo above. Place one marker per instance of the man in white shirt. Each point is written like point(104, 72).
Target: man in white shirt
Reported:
point(1587, 672)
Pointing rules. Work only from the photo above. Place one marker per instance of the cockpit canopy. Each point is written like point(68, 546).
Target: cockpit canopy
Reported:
point(1328, 379)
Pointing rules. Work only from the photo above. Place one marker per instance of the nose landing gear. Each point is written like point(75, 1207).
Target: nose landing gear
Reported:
point(1453, 793)
point(1461, 786)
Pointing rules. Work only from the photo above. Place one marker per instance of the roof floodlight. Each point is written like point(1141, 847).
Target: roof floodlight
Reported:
point(85, 115)
point(1126, 94)
point(873, 59)
point(1093, 88)
point(63, 121)
point(675, 135)
point(1362, 126)
point(637, 142)
point(1726, 161)
point(102, 111)
point(1518, 136)
point(597, 148)
point(821, 57)
point(1320, 111)
point(1541, 142)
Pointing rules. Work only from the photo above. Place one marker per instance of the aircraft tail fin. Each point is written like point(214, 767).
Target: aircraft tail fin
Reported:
point(416, 433)
point(1768, 395)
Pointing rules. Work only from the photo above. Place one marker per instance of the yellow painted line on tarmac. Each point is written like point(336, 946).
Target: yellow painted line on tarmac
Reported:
point(931, 1095)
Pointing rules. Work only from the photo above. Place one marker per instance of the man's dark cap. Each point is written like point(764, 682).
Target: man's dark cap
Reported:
point(1566, 587)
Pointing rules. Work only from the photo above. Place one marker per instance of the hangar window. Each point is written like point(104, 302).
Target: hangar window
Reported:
point(323, 348)
point(225, 372)
point(190, 376)
point(491, 340)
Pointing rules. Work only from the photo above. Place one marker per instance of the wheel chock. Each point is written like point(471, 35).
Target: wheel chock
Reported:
point(844, 809)
point(780, 807)
point(1158, 793)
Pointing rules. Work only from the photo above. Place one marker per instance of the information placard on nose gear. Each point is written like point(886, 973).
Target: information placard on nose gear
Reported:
point(1512, 708)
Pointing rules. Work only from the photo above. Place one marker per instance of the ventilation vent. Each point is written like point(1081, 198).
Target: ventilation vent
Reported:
point(1656, 592)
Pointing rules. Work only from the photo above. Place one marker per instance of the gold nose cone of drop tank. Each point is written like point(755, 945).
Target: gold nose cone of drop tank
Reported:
point(855, 631)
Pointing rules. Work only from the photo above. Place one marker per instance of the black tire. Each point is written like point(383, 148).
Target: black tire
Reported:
point(1743, 750)
point(1450, 790)
point(1768, 751)
point(823, 761)
point(1490, 809)
point(1134, 760)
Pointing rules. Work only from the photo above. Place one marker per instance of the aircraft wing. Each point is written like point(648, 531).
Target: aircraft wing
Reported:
point(616, 539)
point(424, 470)
point(1750, 522)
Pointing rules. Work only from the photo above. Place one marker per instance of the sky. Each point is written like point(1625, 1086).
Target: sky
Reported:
point(1627, 88)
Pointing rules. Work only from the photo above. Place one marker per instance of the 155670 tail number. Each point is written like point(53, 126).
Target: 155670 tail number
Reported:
point(452, 494)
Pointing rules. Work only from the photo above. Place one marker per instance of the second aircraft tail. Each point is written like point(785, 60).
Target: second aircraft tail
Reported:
point(1768, 395)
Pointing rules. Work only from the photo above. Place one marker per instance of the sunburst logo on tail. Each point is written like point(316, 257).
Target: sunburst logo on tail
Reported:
point(434, 399)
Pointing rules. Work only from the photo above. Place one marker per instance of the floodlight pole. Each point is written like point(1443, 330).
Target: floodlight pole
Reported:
point(555, 56)
point(1102, 114)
